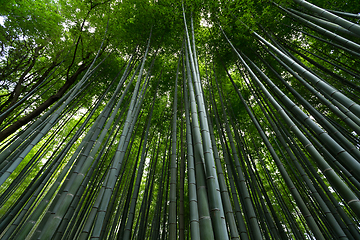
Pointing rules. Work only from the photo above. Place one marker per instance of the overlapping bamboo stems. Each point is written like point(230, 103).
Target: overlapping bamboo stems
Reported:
point(104, 204)
point(87, 195)
point(124, 185)
point(22, 140)
point(279, 197)
point(309, 184)
point(192, 184)
point(34, 161)
point(243, 149)
point(43, 179)
point(333, 204)
point(267, 223)
point(349, 118)
point(73, 184)
point(345, 131)
point(48, 144)
point(348, 103)
point(173, 165)
point(142, 210)
point(336, 62)
point(344, 14)
point(303, 208)
point(9, 164)
point(336, 83)
point(344, 190)
point(68, 181)
point(353, 27)
point(331, 143)
point(100, 140)
point(333, 178)
point(141, 220)
point(206, 228)
point(240, 221)
point(125, 209)
point(335, 167)
point(244, 155)
point(341, 171)
point(275, 189)
point(339, 136)
point(121, 149)
point(317, 94)
point(222, 184)
point(333, 36)
point(140, 229)
point(313, 206)
point(41, 132)
point(347, 112)
point(130, 186)
point(95, 135)
point(338, 46)
point(147, 198)
point(230, 168)
point(254, 194)
point(278, 229)
point(248, 204)
point(336, 76)
point(346, 175)
point(324, 23)
point(155, 225)
point(323, 91)
point(165, 211)
point(93, 187)
point(329, 59)
point(130, 218)
point(44, 202)
point(182, 169)
point(215, 203)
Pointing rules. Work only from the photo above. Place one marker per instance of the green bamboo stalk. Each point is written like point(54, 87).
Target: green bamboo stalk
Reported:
point(333, 36)
point(244, 191)
point(223, 188)
point(215, 202)
point(240, 221)
point(193, 199)
point(353, 27)
point(206, 228)
point(323, 23)
point(173, 167)
point(130, 218)
point(333, 146)
point(329, 216)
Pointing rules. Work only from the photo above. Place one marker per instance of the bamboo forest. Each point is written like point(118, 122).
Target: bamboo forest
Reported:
point(169, 119)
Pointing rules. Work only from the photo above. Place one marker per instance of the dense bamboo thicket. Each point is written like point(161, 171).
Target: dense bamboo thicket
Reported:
point(172, 120)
